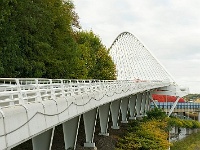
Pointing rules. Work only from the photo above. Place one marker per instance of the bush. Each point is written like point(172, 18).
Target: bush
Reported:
point(151, 133)
point(172, 122)
point(156, 113)
point(145, 135)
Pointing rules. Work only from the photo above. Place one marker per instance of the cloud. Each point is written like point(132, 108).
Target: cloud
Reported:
point(169, 28)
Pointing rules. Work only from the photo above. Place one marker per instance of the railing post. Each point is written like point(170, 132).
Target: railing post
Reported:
point(62, 88)
point(20, 95)
point(52, 90)
point(38, 94)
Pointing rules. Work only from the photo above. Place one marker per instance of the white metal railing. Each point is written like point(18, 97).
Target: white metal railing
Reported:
point(20, 91)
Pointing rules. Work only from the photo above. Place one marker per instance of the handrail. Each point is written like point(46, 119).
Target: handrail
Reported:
point(20, 90)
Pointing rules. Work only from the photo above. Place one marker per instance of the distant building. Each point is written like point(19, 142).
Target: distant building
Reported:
point(164, 98)
point(197, 100)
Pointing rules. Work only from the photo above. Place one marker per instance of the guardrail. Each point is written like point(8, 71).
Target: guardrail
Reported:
point(20, 91)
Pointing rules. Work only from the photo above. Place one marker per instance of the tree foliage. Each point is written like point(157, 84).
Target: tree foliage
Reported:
point(190, 142)
point(147, 135)
point(95, 56)
point(192, 97)
point(151, 133)
point(182, 123)
point(156, 113)
point(40, 39)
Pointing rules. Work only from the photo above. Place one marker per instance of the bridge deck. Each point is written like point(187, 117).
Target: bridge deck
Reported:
point(29, 107)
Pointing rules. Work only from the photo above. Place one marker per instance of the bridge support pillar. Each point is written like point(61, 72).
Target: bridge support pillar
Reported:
point(149, 100)
point(70, 130)
point(138, 104)
point(147, 103)
point(104, 117)
point(143, 103)
point(132, 104)
point(44, 140)
point(124, 109)
point(199, 116)
point(114, 107)
point(195, 130)
point(89, 125)
point(188, 131)
point(176, 130)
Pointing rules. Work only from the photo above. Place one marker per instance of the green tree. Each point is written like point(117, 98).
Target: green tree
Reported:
point(95, 56)
point(35, 35)
point(40, 39)
point(156, 113)
point(10, 56)
point(192, 97)
point(63, 59)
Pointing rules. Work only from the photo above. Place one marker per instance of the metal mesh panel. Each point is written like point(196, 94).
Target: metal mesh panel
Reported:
point(134, 61)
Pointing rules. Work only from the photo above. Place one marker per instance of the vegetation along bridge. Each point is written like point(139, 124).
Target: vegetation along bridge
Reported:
point(32, 108)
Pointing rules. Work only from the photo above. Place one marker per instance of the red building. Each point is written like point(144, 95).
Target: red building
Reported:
point(166, 98)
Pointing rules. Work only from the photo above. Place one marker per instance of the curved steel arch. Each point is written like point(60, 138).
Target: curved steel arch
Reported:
point(134, 61)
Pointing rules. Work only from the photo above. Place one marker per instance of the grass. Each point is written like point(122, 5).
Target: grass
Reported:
point(191, 142)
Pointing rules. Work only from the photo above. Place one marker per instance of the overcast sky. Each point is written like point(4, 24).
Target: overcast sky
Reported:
point(169, 28)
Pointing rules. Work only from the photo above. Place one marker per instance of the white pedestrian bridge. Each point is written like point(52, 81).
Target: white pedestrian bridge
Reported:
point(32, 108)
